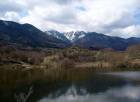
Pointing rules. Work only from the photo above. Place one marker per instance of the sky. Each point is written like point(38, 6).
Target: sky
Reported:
point(110, 17)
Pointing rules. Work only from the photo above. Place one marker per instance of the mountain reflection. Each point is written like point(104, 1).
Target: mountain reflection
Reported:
point(126, 93)
point(101, 87)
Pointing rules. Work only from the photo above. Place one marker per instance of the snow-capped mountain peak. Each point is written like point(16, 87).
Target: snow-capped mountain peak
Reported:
point(57, 35)
point(72, 36)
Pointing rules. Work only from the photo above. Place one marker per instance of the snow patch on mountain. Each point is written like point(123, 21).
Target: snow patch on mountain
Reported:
point(57, 35)
point(72, 36)
point(81, 36)
point(54, 33)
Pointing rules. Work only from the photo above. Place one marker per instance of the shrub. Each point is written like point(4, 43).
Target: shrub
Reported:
point(66, 63)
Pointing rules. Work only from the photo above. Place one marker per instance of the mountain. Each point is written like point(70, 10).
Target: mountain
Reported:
point(96, 41)
point(133, 40)
point(27, 35)
point(67, 36)
point(58, 35)
point(73, 36)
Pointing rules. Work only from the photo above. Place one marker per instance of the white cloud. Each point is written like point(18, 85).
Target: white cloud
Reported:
point(11, 16)
point(104, 16)
point(127, 31)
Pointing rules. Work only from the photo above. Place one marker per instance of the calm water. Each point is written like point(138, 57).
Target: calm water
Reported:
point(102, 87)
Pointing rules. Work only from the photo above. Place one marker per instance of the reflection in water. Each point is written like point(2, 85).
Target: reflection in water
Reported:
point(23, 97)
point(110, 87)
point(123, 94)
point(126, 75)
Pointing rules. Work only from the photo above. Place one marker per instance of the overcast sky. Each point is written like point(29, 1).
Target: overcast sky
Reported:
point(112, 17)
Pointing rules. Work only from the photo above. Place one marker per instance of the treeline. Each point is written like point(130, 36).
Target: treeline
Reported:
point(73, 57)
point(32, 56)
point(98, 60)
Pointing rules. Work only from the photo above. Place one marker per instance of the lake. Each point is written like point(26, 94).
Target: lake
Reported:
point(98, 87)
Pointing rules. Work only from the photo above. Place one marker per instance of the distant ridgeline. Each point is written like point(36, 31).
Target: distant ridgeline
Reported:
point(26, 35)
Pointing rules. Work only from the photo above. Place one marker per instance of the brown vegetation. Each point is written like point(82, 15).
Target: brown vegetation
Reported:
point(72, 57)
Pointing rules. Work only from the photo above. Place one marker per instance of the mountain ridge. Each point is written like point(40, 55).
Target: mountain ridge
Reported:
point(93, 40)
point(29, 36)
